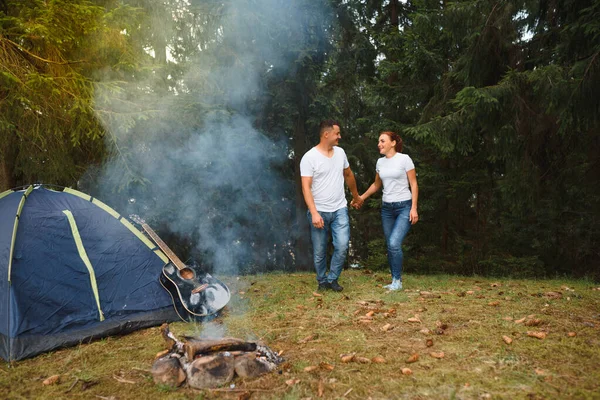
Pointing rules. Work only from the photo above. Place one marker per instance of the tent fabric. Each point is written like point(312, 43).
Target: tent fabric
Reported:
point(75, 271)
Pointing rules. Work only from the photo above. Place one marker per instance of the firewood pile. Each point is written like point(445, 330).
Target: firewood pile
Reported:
point(210, 363)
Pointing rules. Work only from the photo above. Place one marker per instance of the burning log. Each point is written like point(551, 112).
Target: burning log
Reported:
point(194, 347)
point(209, 363)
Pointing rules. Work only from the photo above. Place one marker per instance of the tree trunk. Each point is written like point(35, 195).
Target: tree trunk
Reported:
point(394, 21)
point(303, 249)
point(7, 157)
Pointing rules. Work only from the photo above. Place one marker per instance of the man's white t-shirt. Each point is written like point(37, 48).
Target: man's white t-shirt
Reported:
point(328, 178)
point(392, 172)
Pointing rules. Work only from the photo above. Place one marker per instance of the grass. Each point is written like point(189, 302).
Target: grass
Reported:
point(465, 318)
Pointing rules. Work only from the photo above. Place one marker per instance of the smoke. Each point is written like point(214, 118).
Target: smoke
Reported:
point(186, 153)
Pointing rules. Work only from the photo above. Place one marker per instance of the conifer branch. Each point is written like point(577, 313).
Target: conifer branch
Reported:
point(20, 48)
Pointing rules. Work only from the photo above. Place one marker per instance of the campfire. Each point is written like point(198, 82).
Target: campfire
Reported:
point(209, 363)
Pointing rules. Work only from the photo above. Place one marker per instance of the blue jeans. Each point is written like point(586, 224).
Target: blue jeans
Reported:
point(339, 224)
point(395, 218)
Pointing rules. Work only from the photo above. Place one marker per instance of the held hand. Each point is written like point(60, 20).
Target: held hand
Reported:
point(414, 217)
point(317, 221)
point(357, 202)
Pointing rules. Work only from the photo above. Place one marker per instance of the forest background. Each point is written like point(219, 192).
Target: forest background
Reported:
point(195, 114)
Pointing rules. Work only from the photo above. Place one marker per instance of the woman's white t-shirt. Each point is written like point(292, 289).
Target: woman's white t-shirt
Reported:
point(392, 172)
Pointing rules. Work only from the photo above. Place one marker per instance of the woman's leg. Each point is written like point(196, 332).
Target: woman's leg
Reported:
point(401, 226)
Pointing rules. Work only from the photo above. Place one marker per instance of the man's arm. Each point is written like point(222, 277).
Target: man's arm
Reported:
point(317, 220)
point(351, 183)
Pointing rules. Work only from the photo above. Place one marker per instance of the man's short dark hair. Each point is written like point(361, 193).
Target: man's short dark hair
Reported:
point(326, 125)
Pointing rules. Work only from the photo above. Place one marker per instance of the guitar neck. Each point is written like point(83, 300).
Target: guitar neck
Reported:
point(163, 246)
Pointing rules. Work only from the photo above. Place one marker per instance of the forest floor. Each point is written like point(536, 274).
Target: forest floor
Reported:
point(442, 337)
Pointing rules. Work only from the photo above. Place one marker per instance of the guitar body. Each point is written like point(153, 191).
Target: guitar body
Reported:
point(196, 294)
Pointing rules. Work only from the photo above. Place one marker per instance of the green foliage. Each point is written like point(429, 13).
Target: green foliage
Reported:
point(496, 101)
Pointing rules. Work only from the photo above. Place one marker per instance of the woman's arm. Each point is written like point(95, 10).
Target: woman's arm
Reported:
point(414, 189)
point(375, 186)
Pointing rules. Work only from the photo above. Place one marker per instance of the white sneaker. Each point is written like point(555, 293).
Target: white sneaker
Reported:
point(395, 285)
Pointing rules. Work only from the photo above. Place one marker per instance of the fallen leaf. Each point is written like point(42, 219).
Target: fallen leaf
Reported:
point(51, 380)
point(437, 355)
point(387, 327)
point(292, 382)
point(317, 294)
point(406, 371)
point(362, 360)
point(414, 319)
point(321, 388)
point(572, 334)
point(426, 331)
point(429, 342)
point(553, 295)
point(429, 295)
point(370, 314)
point(123, 380)
point(508, 318)
point(365, 321)
point(540, 371)
point(506, 339)
point(326, 366)
point(346, 358)
point(461, 294)
point(357, 312)
point(441, 325)
point(307, 339)
point(533, 322)
point(494, 303)
point(520, 321)
point(378, 360)
point(244, 396)
point(470, 292)
point(413, 358)
point(311, 368)
point(538, 335)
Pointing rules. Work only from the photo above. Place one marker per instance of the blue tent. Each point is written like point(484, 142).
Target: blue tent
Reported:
point(72, 270)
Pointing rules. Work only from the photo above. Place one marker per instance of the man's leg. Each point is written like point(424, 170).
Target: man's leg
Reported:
point(340, 230)
point(319, 243)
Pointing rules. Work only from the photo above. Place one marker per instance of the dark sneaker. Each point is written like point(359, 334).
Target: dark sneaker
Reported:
point(335, 286)
point(324, 286)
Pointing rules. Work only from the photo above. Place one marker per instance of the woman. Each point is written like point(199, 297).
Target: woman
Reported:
point(395, 172)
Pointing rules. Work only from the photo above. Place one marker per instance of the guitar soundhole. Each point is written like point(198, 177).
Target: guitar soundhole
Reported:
point(186, 273)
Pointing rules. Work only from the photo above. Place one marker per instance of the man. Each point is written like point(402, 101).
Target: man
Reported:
point(323, 169)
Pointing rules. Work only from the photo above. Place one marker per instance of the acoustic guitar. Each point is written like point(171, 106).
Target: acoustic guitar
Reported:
point(196, 294)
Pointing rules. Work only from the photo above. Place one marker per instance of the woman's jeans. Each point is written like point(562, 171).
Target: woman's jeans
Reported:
point(338, 224)
point(395, 218)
